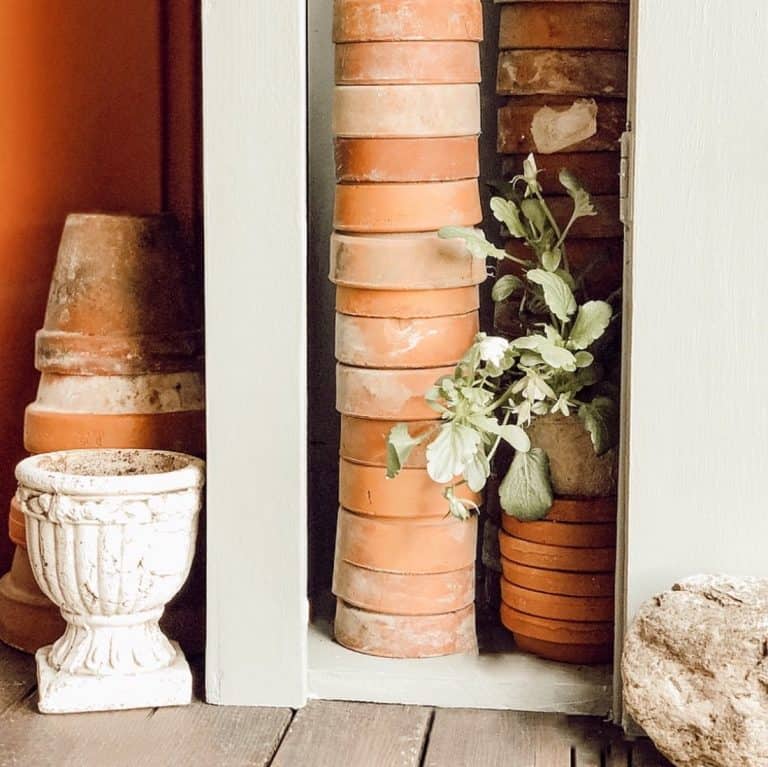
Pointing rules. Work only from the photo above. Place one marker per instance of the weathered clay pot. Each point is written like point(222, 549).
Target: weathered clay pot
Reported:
point(366, 490)
point(428, 545)
point(557, 606)
point(592, 26)
point(359, 20)
point(558, 582)
point(568, 558)
point(111, 539)
point(554, 533)
point(406, 304)
point(573, 465)
point(122, 301)
point(412, 262)
point(411, 62)
point(394, 395)
point(397, 160)
point(403, 593)
point(565, 641)
point(384, 342)
point(384, 208)
point(406, 111)
point(364, 440)
point(405, 636)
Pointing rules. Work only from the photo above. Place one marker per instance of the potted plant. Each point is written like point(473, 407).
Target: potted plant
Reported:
point(550, 394)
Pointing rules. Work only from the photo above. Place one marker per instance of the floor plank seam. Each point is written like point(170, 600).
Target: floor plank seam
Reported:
point(427, 736)
point(282, 738)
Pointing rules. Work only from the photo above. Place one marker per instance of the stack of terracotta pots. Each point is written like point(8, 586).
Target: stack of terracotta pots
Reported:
point(120, 357)
point(557, 587)
point(406, 120)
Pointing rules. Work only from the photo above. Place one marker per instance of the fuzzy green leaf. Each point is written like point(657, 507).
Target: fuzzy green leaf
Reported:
point(591, 321)
point(582, 202)
point(526, 491)
point(513, 435)
point(507, 212)
point(399, 446)
point(557, 294)
point(534, 212)
point(449, 452)
point(601, 419)
point(505, 286)
point(550, 259)
point(475, 240)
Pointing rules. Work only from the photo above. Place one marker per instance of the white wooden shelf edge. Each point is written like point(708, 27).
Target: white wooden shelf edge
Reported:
point(516, 681)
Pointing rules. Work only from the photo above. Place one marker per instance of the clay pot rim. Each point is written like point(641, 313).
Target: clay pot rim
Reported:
point(41, 472)
point(466, 568)
point(121, 214)
point(464, 609)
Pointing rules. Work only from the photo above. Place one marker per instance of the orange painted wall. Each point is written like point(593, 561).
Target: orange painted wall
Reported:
point(99, 109)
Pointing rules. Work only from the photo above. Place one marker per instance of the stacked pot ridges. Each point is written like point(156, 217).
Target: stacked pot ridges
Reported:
point(406, 119)
point(120, 357)
point(558, 580)
point(563, 69)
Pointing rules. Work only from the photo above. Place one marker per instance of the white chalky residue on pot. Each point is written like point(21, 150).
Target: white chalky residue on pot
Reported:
point(554, 130)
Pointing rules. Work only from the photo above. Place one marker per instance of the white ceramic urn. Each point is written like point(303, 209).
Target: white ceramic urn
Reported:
point(110, 536)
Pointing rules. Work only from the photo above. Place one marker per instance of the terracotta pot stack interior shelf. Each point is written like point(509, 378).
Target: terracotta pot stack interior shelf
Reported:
point(120, 357)
point(562, 70)
point(406, 119)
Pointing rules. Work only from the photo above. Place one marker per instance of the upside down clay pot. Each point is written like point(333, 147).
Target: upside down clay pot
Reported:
point(407, 304)
point(429, 545)
point(383, 342)
point(394, 395)
point(403, 593)
point(383, 208)
point(557, 581)
point(122, 299)
point(565, 641)
point(405, 636)
point(404, 262)
point(412, 493)
point(550, 532)
point(406, 111)
point(568, 558)
point(359, 20)
point(557, 606)
point(406, 159)
point(364, 440)
point(382, 63)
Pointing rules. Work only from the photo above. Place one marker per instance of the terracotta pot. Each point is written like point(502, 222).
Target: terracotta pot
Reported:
point(394, 395)
point(409, 262)
point(383, 63)
point(574, 641)
point(406, 304)
point(366, 490)
point(557, 582)
point(364, 440)
point(356, 20)
point(406, 159)
point(581, 654)
point(382, 342)
point(385, 208)
point(430, 545)
point(591, 26)
point(122, 299)
point(406, 111)
point(555, 533)
point(573, 465)
point(580, 510)
point(403, 593)
point(16, 531)
point(405, 636)
point(557, 606)
point(28, 620)
point(568, 558)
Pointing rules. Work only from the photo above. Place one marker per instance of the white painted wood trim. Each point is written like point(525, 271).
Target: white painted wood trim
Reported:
point(698, 379)
point(254, 111)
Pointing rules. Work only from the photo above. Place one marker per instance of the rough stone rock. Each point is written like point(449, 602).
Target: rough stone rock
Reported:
point(695, 671)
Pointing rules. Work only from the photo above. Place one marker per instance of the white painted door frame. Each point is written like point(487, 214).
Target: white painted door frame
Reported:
point(254, 126)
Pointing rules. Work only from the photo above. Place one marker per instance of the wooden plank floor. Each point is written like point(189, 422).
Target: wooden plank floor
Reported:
point(322, 734)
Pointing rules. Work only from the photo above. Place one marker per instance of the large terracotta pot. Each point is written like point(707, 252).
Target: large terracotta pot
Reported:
point(406, 304)
point(558, 580)
point(120, 358)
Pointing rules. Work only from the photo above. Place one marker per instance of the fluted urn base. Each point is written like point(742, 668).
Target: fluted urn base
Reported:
point(62, 692)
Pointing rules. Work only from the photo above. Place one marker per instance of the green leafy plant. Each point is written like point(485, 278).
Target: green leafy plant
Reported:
point(501, 385)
